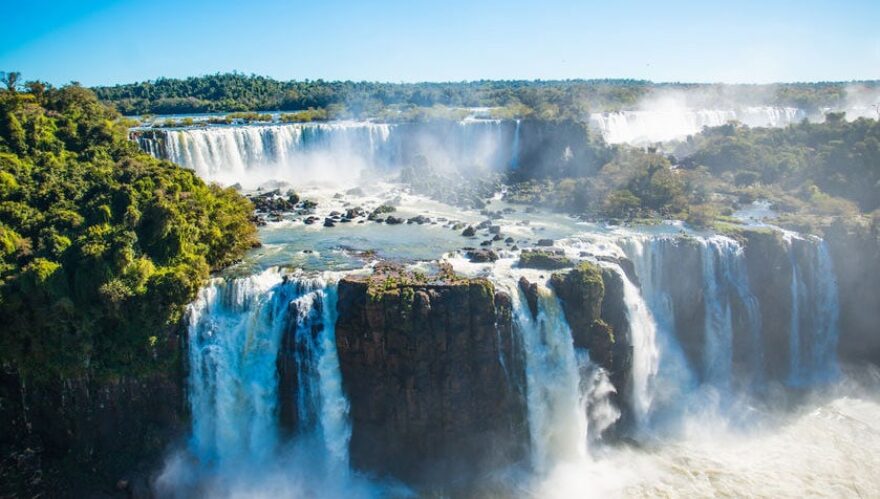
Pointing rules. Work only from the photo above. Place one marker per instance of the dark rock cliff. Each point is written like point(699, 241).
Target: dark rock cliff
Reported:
point(592, 300)
point(69, 437)
point(769, 268)
point(855, 251)
point(431, 369)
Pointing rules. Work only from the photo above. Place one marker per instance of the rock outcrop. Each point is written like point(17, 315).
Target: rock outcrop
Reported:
point(855, 251)
point(79, 435)
point(432, 372)
point(592, 300)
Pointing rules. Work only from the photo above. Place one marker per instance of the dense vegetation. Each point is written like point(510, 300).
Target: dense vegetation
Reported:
point(810, 172)
point(238, 92)
point(101, 246)
point(540, 99)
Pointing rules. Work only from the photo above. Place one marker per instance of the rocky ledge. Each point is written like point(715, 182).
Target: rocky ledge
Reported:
point(433, 375)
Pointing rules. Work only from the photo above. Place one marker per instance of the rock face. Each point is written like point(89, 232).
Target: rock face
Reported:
point(590, 313)
point(431, 381)
point(855, 251)
point(769, 267)
point(78, 435)
point(544, 259)
point(592, 300)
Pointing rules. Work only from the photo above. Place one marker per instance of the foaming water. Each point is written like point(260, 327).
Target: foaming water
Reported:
point(236, 331)
point(557, 421)
point(646, 353)
point(814, 313)
point(828, 449)
point(335, 153)
point(676, 122)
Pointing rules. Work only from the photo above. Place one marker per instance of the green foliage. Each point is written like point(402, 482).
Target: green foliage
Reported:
point(101, 245)
point(239, 92)
point(815, 167)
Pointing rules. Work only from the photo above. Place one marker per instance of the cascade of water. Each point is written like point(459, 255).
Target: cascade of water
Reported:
point(251, 154)
point(827, 315)
point(650, 256)
point(646, 353)
point(235, 332)
point(718, 320)
point(596, 397)
point(557, 421)
point(514, 148)
point(677, 123)
point(815, 313)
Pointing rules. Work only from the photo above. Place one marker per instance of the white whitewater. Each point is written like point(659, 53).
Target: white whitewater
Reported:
point(327, 152)
point(557, 421)
point(676, 123)
point(673, 379)
point(230, 154)
point(235, 333)
point(646, 353)
point(235, 330)
point(718, 320)
point(815, 312)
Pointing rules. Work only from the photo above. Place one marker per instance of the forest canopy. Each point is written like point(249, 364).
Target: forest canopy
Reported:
point(101, 245)
point(228, 92)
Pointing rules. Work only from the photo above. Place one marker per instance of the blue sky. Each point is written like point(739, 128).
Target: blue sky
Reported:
point(115, 41)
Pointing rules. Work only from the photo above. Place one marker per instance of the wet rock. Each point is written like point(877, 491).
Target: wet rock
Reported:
point(354, 212)
point(482, 256)
point(530, 290)
point(469, 232)
point(545, 242)
point(392, 220)
point(419, 219)
point(544, 260)
point(495, 229)
point(428, 396)
point(328, 222)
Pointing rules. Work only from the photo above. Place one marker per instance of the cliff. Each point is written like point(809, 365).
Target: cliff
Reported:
point(432, 382)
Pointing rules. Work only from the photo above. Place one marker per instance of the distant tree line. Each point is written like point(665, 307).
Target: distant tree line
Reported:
point(229, 92)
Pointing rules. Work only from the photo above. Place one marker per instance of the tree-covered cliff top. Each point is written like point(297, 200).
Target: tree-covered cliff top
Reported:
point(101, 245)
point(239, 92)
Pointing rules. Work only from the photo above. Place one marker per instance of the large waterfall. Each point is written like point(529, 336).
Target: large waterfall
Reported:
point(250, 154)
point(650, 126)
point(557, 414)
point(646, 354)
point(239, 330)
point(692, 334)
point(814, 313)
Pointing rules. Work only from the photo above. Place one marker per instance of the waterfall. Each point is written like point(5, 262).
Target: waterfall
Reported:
point(328, 152)
point(646, 353)
point(673, 378)
point(702, 313)
point(557, 421)
point(514, 148)
point(815, 312)
point(649, 126)
point(236, 328)
point(718, 319)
